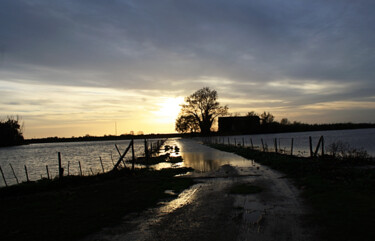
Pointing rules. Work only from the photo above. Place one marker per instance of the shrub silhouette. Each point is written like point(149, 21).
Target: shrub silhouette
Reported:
point(10, 132)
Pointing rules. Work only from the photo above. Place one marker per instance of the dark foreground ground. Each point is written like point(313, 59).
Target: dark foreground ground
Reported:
point(78, 206)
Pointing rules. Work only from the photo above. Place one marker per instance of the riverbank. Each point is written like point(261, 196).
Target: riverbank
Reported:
point(340, 193)
point(78, 206)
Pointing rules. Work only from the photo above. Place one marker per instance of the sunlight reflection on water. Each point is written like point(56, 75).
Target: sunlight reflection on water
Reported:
point(204, 159)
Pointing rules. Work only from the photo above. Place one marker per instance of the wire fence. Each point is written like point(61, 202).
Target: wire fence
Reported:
point(307, 146)
point(15, 172)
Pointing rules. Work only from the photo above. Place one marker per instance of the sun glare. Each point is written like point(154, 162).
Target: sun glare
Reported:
point(169, 109)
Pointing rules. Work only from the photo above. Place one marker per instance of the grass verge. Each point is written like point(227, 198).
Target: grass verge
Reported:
point(341, 194)
point(78, 206)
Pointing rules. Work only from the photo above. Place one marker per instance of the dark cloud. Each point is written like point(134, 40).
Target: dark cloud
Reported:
point(175, 44)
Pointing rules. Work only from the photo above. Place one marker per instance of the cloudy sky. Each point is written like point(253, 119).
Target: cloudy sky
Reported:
point(76, 67)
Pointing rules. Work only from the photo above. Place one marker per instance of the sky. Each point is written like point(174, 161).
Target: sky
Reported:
point(77, 67)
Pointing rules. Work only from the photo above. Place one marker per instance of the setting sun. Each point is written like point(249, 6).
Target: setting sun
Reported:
point(169, 109)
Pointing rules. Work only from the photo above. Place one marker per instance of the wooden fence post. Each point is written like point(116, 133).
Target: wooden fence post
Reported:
point(14, 174)
point(251, 141)
point(311, 149)
point(322, 145)
point(101, 163)
point(80, 168)
point(275, 141)
point(61, 170)
point(120, 154)
point(133, 155)
point(261, 139)
point(118, 151)
point(291, 147)
point(27, 175)
point(68, 167)
point(2, 173)
point(47, 171)
point(317, 147)
point(122, 157)
point(146, 152)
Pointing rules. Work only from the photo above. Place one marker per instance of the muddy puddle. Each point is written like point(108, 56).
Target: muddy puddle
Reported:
point(199, 157)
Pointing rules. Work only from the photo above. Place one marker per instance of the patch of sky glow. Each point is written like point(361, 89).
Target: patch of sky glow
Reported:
point(251, 101)
point(213, 81)
point(341, 105)
point(68, 111)
point(311, 87)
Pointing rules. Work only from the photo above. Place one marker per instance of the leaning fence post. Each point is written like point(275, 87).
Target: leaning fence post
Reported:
point(120, 154)
point(14, 174)
point(322, 145)
point(122, 157)
point(317, 147)
point(311, 150)
point(27, 175)
point(118, 150)
point(2, 173)
point(101, 163)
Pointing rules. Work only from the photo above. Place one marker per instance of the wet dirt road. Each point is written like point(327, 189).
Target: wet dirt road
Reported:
point(207, 211)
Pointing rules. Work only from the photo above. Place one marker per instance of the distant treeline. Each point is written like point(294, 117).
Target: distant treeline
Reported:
point(276, 127)
point(267, 124)
point(99, 138)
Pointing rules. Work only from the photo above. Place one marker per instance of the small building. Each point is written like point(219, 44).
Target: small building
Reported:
point(239, 124)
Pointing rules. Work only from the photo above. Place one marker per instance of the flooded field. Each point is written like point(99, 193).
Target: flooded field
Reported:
point(37, 156)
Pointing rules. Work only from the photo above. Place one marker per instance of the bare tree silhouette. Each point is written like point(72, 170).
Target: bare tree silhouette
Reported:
point(200, 111)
